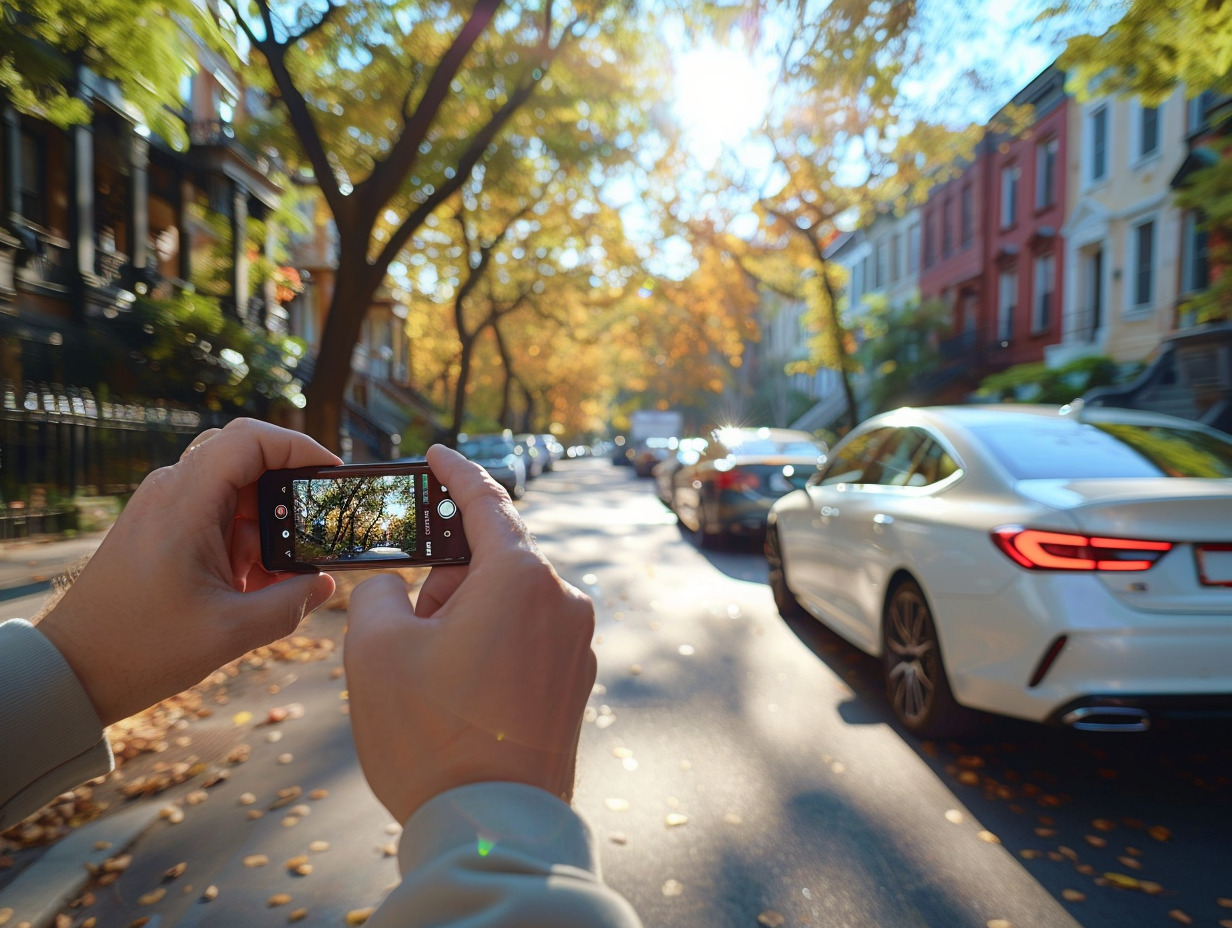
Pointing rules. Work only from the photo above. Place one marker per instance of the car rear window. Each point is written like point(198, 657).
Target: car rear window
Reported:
point(1063, 449)
point(486, 448)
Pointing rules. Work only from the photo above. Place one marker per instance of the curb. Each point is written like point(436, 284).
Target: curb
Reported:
point(46, 886)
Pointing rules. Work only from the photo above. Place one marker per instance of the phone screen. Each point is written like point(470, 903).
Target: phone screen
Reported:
point(358, 518)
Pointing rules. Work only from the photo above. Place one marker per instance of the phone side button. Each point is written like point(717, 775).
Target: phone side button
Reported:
point(446, 508)
point(280, 511)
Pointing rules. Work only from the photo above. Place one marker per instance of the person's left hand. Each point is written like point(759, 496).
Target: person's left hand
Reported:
point(177, 588)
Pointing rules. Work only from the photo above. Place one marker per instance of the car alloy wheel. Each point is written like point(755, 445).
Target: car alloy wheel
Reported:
point(916, 682)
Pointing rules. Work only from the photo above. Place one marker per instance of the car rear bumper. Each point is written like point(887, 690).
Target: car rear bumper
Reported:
point(1049, 647)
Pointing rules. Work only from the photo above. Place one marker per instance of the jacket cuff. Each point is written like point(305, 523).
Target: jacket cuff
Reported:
point(50, 734)
point(509, 817)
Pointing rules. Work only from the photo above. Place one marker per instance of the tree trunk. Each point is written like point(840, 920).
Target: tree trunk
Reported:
point(836, 327)
point(353, 292)
point(459, 392)
point(506, 413)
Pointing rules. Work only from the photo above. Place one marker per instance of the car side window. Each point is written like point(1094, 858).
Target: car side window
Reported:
point(853, 459)
point(932, 465)
point(894, 458)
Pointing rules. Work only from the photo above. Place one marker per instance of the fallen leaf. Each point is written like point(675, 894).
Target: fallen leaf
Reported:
point(196, 797)
point(210, 894)
point(731, 818)
point(390, 850)
point(1073, 895)
point(618, 837)
point(1102, 824)
point(117, 864)
point(298, 915)
point(1132, 862)
point(1121, 881)
point(1029, 854)
point(241, 718)
point(1224, 903)
point(5, 914)
point(1096, 841)
point(359, 916)
point(153, 896)
point(617, 805)
point(1178, 916)
point(285, 758)
point(239, 754)
point(301, 810)
point(672, 888)
point(174, 873)
point(318, 794)
point(256, 860)
point(319, 846)
point(278, 899)
point(135, 923)
point(290, 821)
point(954, 817)
point(771, 919)
point(989, 837)
point(294, 862)
point(1159, 833)
point(254, 814)
point(393, 828)
point(247, 799)
point(286, 797)
point(675, 818)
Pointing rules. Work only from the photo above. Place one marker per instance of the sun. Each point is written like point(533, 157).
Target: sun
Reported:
point(721, 96)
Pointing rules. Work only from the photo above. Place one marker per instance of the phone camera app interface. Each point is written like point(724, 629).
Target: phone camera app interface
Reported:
point(355, 519)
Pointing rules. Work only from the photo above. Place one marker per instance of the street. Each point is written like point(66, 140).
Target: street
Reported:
point(736, 770)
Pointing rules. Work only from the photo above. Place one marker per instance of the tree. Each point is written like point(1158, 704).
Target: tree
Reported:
point(142, 45)
point(391, 106)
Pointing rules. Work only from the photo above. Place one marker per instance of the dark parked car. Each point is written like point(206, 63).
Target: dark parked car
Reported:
point(738, 477)
point(498, 455)
point(688, 453)
point(651, 452)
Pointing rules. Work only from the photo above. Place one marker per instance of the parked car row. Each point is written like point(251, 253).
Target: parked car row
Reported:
point(1068, 566)
point(512, 460)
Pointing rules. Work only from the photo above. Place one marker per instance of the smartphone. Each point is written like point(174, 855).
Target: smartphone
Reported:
point(356, 516)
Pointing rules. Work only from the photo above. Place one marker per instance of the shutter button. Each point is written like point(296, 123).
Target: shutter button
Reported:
point(446, 508)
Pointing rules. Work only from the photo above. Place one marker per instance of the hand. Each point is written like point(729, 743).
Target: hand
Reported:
point(487, 678)
point(177, 589)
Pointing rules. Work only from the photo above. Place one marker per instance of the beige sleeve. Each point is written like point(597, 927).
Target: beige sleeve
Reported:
point(51, 739)
point(500, 855)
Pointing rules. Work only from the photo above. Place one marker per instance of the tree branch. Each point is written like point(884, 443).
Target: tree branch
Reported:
point(388, 174)
point(298, 111)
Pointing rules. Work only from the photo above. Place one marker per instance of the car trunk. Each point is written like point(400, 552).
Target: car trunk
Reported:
point(1195, 515)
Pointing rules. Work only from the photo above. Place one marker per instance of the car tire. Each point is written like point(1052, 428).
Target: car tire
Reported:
point(784, 599)
point(916, 682)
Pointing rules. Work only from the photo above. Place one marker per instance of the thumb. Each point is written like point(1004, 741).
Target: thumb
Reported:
point(277, 610)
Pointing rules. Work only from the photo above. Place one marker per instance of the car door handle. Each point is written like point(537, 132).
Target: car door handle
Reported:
point(882, 519)
point(828, 511)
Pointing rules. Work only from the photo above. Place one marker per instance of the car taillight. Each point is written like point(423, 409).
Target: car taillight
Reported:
point(1039, 550)
point(735, 479)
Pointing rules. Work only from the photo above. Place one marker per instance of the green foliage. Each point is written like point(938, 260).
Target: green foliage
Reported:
point(1038, 383)
point(185, 349)
point(1209, 191)
point(899, 343)
point(142, 45)
point(1155, 46)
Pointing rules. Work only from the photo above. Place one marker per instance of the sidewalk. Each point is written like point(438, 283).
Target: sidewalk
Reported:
point(28, 567)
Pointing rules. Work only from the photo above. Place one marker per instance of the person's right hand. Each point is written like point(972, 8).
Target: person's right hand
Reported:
point(487, 678)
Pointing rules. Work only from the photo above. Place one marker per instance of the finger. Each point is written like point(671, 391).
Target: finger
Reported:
point(248, 572)
point(199, 441)
point(379, 602)
point(262, 616)
point(442, 582)
point(246, 448)
point(488, 517)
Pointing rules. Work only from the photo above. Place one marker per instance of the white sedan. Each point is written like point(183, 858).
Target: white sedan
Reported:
point(1068, 566)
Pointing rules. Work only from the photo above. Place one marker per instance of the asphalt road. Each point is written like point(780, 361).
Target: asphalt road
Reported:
point(735, 767)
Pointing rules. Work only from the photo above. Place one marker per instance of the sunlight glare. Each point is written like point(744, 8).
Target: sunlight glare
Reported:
point(721, 97)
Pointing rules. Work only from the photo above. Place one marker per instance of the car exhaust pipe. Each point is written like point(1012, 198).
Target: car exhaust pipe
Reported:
point(1107, 718)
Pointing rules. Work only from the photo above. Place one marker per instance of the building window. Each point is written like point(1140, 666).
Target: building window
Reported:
point(866, 268)
point(1007, 299)
point(1142, 284)
point(947, 228)
point(968, 215)
point(1009, 195)
point(1196, 272)
point(1148, 132)
point(896, 249)
point(857, 283)
point(31, 181)
point(880, 257)
point(1046, 173)
point(929, 240)
point(1198, 107)
point(1045, 284)
point(913, 248)
point(1097, 166)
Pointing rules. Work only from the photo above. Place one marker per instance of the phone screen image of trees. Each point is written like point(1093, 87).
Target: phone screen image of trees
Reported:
point(355, 519)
